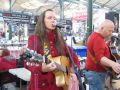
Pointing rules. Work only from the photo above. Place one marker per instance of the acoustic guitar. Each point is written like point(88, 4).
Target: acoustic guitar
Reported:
point(115, 57)
point(62, 63)
point(62, 71)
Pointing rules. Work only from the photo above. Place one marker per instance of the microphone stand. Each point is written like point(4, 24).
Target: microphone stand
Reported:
point(78, 73)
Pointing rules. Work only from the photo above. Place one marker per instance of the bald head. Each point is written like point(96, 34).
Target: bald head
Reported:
point(107, 23)
point(106, 28)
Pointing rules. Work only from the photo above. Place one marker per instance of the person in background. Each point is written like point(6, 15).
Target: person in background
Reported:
point(47, 37)
point(98, 56)
point(4, 52)
point(5, 63)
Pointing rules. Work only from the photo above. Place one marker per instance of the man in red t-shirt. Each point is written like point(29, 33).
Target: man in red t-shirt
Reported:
point(98, 56)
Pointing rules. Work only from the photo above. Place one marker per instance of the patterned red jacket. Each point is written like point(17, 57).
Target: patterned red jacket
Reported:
point(40, 81)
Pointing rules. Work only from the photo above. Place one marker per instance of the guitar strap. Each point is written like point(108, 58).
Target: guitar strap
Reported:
point(46, 50)
point(92, 57)
point(95, 61)
point(46, 53)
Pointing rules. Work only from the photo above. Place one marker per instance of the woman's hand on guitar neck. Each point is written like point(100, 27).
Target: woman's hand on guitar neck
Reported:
point(116, 67)
point(48, 67)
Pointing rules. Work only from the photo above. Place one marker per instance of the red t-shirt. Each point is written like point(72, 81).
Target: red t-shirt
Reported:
point(97, 47)
point(5, 65)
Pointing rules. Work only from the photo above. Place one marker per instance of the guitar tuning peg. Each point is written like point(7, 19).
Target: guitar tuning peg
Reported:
point(27, 49)
point(31, 50)
point(28, 63)
point(37, 64)
point(31, 64)
point(35, 52)
point(44, 59)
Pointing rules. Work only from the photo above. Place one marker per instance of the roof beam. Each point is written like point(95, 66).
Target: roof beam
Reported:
point(115, 5)
point(13, 3)
point(73, 1)
point(41, 6)
point(106, 3)
point(54, 6)
point(94, 1)
point(67, 5)
point(38, 9)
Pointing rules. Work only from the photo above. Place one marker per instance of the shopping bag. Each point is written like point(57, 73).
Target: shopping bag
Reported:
point(73, 83)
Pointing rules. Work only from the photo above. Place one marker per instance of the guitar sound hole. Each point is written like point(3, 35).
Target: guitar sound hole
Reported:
point(66, 71)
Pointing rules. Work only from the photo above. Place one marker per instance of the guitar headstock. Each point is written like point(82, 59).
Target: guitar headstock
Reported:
point(33, 58)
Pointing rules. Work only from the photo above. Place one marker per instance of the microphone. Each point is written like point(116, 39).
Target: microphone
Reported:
point(113, 37)
point(58, 24)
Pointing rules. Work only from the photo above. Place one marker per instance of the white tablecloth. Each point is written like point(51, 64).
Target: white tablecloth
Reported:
point(21, 73)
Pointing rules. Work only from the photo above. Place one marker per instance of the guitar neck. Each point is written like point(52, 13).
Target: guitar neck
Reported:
point(39, 58)
point(114, 54)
